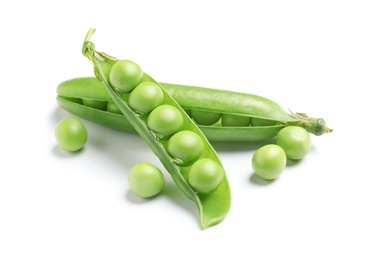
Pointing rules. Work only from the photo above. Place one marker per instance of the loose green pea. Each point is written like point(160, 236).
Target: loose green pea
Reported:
point(145, 180)
point(205, 118)
point(101, 105)
point(125, 75)
point(113, 108)
point(205, 175)
point(185, 146)
point(235, 120)
point(165, 120)
point(145, 97)
point(71, 134)
point(269, 161)
point(295, 141)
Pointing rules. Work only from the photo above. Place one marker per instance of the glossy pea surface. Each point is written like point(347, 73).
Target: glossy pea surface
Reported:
point(71, 134)
point(269, 161)
point(165, 120)
point(295, 141)
point(125, 75)
point(145, 97)
point(145, 180)
point(185, 146)
point(205, 175)
point(205, 117)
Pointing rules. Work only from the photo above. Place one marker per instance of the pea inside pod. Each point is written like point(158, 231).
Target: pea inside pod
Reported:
point(165, 120)
point(205, 117)
point(235, 120)
point(101, 105)
point(186, 147)
point(145, 97)
point(213, 206)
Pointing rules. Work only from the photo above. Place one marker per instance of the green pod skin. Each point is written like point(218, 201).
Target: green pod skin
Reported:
point(229, 102)
point(109, 119)
point(189, 97)
point(212, 207)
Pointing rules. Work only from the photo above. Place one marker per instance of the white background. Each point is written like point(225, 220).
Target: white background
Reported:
point(309, 56)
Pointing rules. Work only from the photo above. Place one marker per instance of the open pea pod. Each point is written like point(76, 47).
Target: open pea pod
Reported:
point(213, 206)
point(244, 104)
point(71, 93)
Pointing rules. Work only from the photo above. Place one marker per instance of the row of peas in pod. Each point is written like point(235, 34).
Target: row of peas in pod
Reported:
point(211, 118)
point(200, 117)
point(166, 122)
point(149, 92)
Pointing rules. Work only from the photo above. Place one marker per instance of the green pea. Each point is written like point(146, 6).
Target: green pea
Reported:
point(205, 175)
point(165, 120)
point(269, 161)
point(125, 75)
point(101, 105)
point(145, 180)
point(71, 134)
point(261, 122)
point(113, 108)
point(205, 118)
point(185, 146)
point(235, 120)
point(295, 141)
point(145, 97)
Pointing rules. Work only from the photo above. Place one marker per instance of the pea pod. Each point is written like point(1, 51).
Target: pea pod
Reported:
point(254, 106)
point(70, 93)
point(213, 206)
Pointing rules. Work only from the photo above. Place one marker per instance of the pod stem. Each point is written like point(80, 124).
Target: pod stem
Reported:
point(89, 34)
point(316, 126)
point(89, 51)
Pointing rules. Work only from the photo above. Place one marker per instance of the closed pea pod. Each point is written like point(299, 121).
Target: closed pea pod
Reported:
point(213, 207)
